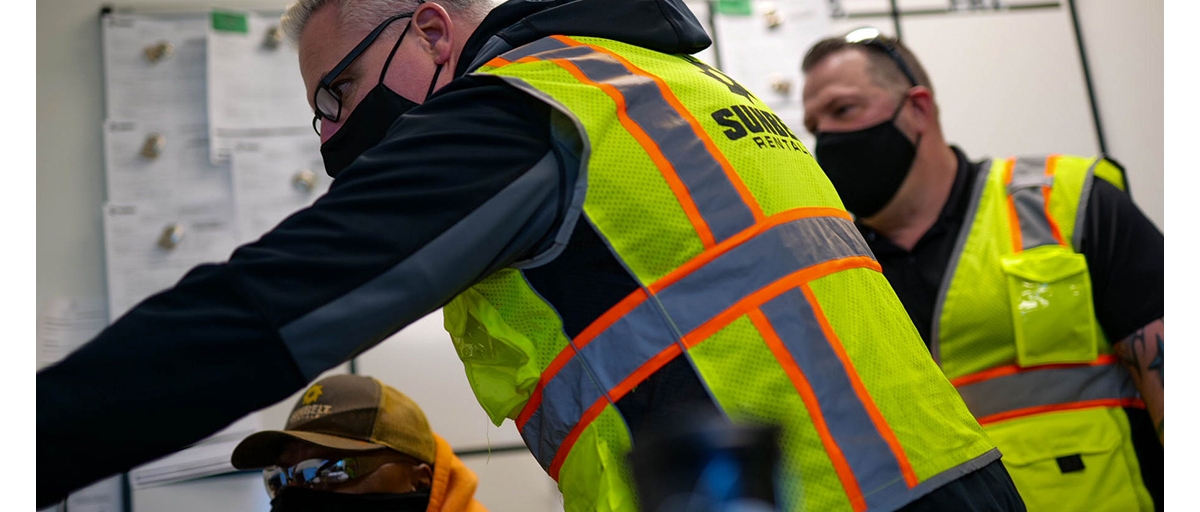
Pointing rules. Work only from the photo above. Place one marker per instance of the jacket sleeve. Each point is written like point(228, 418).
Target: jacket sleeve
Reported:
point(462, 185)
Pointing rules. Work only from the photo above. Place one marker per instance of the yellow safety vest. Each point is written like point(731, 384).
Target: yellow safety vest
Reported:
point(1016, 333)
point(746, 264)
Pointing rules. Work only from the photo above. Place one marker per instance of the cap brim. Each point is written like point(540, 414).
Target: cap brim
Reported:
point(262, 449)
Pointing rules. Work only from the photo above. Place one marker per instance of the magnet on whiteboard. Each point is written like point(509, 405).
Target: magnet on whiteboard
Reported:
point(273, 38)
point(773, 19)
point(304, 180)
point(159, 51)
point(781, 85)
point(171, 236)
point(153, 146)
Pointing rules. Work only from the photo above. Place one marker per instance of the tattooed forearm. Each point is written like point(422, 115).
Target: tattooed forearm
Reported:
point(1156, 365)
point(1142, 354)
point(1128, 350)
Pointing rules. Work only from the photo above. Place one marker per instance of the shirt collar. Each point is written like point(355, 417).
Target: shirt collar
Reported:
point(964, 176)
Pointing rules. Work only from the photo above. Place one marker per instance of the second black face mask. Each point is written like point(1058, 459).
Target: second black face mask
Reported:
point(866, 166)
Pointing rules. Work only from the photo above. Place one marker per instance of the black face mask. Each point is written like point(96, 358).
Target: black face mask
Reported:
point(867, 166)
point(370, 121)
point(299, 499)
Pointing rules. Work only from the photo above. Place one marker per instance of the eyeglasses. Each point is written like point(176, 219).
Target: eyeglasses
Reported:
point(321, 473)
point(871, 37)
point(328, 102)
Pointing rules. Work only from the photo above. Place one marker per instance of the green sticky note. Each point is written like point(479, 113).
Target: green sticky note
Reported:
point(734, 7)
point(230, 22)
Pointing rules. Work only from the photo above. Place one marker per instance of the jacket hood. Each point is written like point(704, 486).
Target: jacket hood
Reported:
point(666, 26)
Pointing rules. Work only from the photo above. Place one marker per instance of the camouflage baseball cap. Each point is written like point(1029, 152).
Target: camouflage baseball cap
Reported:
point(345, 412)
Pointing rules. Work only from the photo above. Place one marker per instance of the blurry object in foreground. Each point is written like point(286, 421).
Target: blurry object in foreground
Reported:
point(707, 465)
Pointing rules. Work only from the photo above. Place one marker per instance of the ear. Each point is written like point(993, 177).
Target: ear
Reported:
point(924, 109)
point(423, 477)
point(435, 30)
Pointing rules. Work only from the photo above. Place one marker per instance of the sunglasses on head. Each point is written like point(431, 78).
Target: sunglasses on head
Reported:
point(872, 38)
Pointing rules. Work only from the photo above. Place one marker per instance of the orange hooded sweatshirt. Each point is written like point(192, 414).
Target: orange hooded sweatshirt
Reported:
point(453, 482)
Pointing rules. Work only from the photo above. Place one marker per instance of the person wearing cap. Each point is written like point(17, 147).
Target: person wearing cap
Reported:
point(354, 444)
point(610, 227)
point(1035, 281)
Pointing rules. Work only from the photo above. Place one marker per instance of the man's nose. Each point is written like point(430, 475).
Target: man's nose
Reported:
point(328, 128)
point(819, 125)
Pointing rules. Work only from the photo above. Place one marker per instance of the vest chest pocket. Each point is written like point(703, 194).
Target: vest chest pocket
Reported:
point(1050, 298)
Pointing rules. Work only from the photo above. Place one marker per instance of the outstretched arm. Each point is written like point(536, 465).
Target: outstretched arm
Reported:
point(451, 195)
point(1142, 353)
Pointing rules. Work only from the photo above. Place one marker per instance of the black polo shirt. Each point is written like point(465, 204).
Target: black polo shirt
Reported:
point(1124, 252)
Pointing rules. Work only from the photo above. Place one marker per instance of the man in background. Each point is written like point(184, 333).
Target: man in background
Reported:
point(1036, 282)
point(354, 444)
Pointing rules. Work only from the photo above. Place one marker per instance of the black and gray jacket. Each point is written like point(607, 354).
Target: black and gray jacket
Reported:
point(453, 192)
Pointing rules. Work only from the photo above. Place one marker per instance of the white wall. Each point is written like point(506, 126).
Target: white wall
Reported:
point(1125, 46)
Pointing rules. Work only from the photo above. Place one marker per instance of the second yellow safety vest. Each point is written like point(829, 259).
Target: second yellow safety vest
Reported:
point(1016, 332)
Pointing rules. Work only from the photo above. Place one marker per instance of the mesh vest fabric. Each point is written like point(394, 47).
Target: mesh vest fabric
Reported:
point(1017, 335)
point(746, 264)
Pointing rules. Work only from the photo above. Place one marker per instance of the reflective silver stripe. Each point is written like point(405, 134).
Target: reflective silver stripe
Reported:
point(546, 429)
point(1028, 178)
point(964, 231)
point(708, 186)
point(756, 263)
point(1084, 196)
point(1046, 387)
point(947, 476)
point(871, 460)
point(621, 349)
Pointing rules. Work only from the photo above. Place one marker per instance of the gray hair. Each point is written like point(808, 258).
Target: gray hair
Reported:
point(369, 13)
